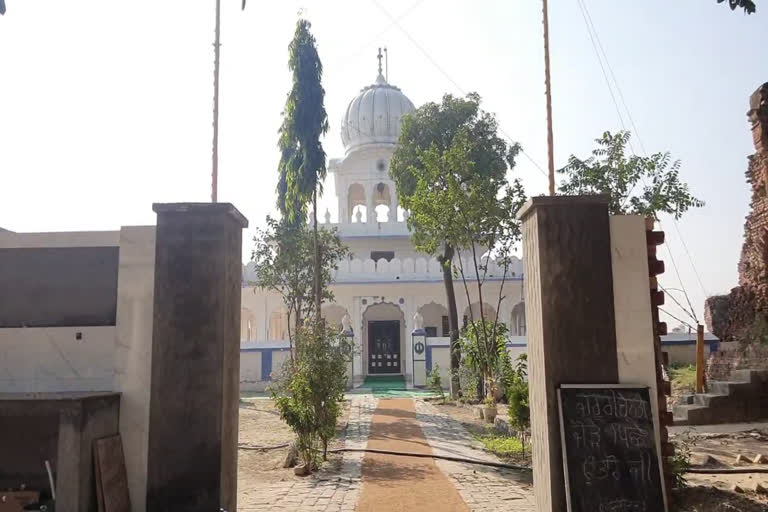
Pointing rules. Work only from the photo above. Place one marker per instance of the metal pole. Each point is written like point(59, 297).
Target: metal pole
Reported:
point(550, 139)
point(699, 358)
point(216, 45)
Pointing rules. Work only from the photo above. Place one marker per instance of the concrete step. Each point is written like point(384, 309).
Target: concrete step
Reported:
point(753, 376)
point(729, 387)
point(687, 413)
point(711, 399)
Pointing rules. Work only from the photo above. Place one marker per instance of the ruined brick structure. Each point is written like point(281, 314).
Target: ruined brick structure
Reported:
point(753, 266)
point(742, 315)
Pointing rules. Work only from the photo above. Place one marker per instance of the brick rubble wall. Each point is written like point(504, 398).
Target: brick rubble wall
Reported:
point(741, 316)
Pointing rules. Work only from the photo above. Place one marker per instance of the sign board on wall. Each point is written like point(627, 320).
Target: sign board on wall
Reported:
point(609, 449)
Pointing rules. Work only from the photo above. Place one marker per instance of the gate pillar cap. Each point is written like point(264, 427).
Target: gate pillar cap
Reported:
point(532, 203)
point(202, 208)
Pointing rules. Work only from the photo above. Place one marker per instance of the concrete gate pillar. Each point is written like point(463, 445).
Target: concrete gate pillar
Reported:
point(192, 455)
point(571, 326)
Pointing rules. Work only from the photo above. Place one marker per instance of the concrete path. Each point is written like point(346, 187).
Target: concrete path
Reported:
point(325, 491)
point(373, 482)
point(400, 484)
point(483, 488)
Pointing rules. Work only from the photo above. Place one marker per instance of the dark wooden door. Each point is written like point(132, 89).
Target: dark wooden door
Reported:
point(384, 346)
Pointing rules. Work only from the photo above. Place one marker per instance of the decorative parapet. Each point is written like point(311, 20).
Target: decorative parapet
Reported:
point(406, 270)
point(415, 270)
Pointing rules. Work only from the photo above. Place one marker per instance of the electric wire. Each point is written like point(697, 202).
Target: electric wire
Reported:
point(448, 77)
point(597, 43)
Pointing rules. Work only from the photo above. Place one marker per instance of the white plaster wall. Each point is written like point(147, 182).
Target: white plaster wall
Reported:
point(250, 371)
point(632, 306)
point(44, 359)
point(279, 359)
point(51, 358)
point(684, 354)
point(442, 356)
point(133, 352)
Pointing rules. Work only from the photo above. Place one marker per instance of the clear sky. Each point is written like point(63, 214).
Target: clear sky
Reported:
point(105, 107)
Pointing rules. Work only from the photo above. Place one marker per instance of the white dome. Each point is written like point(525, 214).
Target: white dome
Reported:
point(374, 116)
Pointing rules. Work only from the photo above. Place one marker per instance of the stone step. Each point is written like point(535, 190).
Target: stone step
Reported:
point(688, 413)
point(710, 399)
point(728, 387)
point(753, 376)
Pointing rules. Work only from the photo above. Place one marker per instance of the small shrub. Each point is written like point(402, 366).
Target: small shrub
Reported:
point(681, 460)
point(470, 382)
point(434, 382)
point(515, 383)
point(310, 390)
point(504, 446)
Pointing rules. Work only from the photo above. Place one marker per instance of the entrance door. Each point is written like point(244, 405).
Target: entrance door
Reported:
point(384, 346)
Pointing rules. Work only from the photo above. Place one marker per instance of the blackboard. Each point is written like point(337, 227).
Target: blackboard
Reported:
point(609, 449)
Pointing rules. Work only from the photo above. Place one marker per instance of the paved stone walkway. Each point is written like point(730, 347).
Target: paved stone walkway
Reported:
point(326, 491)
point(482, 488)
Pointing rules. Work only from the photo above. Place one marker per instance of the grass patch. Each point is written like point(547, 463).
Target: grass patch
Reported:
point(683, 378)
point(499, 444)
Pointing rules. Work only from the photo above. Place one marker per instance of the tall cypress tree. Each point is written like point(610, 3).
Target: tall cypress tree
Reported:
point(302, 158)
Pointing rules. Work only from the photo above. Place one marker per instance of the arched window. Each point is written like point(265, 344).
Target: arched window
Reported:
point(518, 327)
point(356, 204)
point(382, 202)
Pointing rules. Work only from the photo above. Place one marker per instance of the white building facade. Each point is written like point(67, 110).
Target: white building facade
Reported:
point(385, 283)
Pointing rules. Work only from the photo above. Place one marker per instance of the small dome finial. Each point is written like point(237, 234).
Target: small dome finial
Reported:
point(379, 56)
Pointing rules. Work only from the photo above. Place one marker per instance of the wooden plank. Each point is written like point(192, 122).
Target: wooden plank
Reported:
point(111, 478)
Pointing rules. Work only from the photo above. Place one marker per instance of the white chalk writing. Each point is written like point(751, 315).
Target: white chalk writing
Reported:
point(623, 506)
point(600, 469)
point(612, 404)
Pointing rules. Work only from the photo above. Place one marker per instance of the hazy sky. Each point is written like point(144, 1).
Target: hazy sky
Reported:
point(105, 106)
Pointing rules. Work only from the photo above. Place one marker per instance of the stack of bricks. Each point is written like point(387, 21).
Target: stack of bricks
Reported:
point(656, 267)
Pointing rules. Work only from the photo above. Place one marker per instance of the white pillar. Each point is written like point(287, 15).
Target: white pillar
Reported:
point(370, 212)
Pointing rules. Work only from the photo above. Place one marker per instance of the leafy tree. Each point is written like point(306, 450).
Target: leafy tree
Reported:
point(284, 256)
point(309, 393)
point(483, 355)
point(610, 171)
point(302, 158)
point(450, 170)
point(748, 5)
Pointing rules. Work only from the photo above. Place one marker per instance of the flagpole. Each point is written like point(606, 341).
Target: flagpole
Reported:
point(547, 85)
point(215, 156)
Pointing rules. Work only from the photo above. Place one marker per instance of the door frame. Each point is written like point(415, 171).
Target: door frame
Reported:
point(398, 341)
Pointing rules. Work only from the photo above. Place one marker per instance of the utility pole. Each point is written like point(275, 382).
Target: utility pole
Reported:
point(216, 45)
point(548, 88)
point(699, 358)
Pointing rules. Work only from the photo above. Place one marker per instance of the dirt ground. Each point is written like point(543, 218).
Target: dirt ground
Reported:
point(261, 427)
point(712, 493)
point(706, 493)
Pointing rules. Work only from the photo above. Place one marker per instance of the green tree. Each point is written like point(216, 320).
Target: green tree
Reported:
point(450, 170)
point(309, 393)
point(302, 158)
point(610, 171)
point(748, 5)
point(284, 262)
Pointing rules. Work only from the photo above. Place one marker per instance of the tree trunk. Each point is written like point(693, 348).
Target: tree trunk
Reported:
point(318, 295)
point(453, 319)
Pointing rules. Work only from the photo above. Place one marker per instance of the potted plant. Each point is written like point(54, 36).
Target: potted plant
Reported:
point(489, 408)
